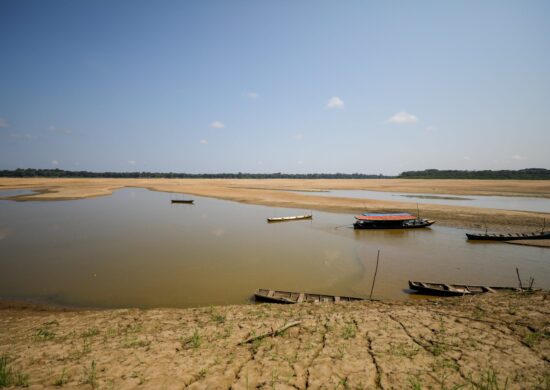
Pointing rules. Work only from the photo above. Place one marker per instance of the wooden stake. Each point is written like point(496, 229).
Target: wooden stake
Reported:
point(375, 272)
point(519, 279)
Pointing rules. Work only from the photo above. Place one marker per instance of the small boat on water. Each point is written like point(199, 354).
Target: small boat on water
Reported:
point(508, 236)
point(274, 296)
point(390, 221)
point(291, 218)
point(443, 289)
point(190, 201)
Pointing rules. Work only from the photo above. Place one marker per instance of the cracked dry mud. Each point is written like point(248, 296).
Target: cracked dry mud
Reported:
point(498, 340)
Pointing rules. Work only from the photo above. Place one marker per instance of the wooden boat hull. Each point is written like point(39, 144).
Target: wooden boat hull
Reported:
point(290, 297)
point(182, 201)
point(292, 218)
point(509, 236)
point(442, 289)
point(384, 225)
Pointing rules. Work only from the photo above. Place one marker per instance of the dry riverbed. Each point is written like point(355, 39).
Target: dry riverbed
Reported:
point(282, 193)
point(484, 342)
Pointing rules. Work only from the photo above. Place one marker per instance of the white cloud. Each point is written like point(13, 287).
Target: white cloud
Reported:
point(55, 162)
point(298, 136)
point(467, 158)
point(3, 122)
point(335, 102)
point(132, 162)
point(517, 157)
point(431, 129)
point(403, 118)
point(300, 162)
point(203, 141)
point(217, 125)
point(252, 95)
point(55, 129)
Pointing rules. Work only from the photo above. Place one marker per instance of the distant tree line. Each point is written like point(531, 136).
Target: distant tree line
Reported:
point(522, 174)
point(30, 172)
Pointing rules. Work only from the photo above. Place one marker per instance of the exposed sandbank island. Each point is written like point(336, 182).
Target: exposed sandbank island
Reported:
point(494, 341)
point(282, 193)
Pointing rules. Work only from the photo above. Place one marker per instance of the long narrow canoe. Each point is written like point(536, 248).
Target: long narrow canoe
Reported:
point(508, 236)
point(274, 296)
point(190, 201)
point(291, 218)
point(443, 289)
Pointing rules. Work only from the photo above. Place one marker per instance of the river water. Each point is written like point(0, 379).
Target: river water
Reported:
point(522, 203)
point(136, 249)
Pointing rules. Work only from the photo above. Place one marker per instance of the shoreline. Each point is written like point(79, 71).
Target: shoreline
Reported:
point(430, 343)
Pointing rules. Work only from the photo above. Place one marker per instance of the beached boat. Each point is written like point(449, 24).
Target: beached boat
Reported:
point(443, 289)
point(390, 221)
point(274, 296)
point(291, 218)
point(508, 236)
point(190, 201)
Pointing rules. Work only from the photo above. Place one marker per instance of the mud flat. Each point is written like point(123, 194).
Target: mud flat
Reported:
point(475, 342)
point(271, 192)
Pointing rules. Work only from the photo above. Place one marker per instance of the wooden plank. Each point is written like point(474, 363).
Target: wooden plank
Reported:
point(270, 294)
point(301, 298)
point(336, 299)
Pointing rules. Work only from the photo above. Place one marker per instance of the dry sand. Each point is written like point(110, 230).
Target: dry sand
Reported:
point(281, 193)
point(494, 341)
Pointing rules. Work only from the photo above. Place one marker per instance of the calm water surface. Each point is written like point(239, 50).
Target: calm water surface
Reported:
point(135, 248)
point(493, 202)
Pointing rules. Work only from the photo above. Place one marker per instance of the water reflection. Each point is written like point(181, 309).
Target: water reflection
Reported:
point(135, 248)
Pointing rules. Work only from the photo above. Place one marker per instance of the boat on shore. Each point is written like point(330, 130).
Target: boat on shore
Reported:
point(390, 221)
point(290, 218)
point(275, 296)
point(509, 236)
point(443, 289)
point(186, 201)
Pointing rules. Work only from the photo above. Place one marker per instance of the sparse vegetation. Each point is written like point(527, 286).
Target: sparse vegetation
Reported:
point(349, 331)
point(489, 381)
point(90, 375)
point(62, 380)
point(218, 318)
point(10, 376)
point(90, 332)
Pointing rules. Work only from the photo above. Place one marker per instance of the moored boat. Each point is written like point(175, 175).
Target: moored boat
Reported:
point(508, 236)
point(443, 289)
point(290, 218)
point(390, 221)
point(275, 296)
point(187, 201)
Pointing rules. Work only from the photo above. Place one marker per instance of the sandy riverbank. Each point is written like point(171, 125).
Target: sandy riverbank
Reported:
point(475, 341)
point(281, 193)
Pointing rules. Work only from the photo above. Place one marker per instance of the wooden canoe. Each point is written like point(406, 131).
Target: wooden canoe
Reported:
point(291, 218)
point(443, 289)
point(508, 236)
point(190, 201)
point(275, 296)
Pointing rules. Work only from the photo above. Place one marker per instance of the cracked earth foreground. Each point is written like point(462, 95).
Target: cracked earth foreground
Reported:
point(494, 341)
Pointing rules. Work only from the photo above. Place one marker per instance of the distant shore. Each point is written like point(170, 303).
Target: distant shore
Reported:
point(283, 193)
point(496, 339)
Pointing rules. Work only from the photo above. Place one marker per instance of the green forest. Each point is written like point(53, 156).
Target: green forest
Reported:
point(522, 174)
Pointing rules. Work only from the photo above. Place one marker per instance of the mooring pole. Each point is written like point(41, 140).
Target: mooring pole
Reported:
point(375, 272)
point(519, 279)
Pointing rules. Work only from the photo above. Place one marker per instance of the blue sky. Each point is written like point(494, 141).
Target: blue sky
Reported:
point(274, 86)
